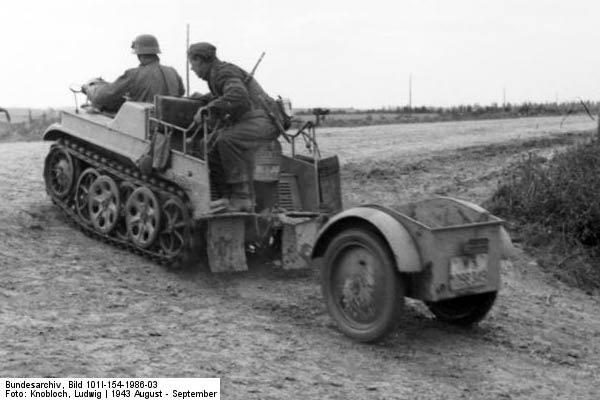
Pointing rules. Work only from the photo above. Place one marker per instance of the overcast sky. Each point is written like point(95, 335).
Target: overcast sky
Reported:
point(318, 53)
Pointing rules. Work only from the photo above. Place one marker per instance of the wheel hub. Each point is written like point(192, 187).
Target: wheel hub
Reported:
point(357, 285)
point(63, 174)
point(358, 296)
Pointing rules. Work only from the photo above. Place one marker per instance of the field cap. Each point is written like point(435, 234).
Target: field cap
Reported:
point(205, 50)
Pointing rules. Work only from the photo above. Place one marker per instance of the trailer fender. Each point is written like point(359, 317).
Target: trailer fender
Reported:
point(397, 237)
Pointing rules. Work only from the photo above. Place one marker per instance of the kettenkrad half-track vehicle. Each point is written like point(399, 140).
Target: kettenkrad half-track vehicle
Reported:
point(94, 174)
point(442, 251)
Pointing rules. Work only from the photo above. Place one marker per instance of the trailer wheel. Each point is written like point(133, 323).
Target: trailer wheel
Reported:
point(361, 288)
point(463, 311)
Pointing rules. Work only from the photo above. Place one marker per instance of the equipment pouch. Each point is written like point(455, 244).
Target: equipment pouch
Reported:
point(161, 152)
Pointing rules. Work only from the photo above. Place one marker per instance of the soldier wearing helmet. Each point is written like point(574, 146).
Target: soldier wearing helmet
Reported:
point(239, 101)
point(142, 83)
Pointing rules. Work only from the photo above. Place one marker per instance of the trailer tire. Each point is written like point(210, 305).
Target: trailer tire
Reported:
point(465, 310)
point(361, 287)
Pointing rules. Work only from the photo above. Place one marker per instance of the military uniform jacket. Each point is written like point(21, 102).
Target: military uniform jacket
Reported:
point(138, 84)
point(235, 94)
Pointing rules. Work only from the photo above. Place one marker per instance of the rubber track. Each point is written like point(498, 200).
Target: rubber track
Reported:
point(161, 188)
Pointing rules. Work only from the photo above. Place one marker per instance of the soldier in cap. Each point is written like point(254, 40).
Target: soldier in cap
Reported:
point(248, 114)
point(137, 84)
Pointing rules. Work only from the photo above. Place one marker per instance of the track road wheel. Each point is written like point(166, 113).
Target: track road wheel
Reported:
point(59, 172)
point(463, 311)
point(174, 237)
point(142, 216)
point(125, 190)
point(104, 204)
point(82, 190)
point(361, 287)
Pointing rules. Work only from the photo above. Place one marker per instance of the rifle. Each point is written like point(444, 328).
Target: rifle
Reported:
point(264, 105)
point(254, 69)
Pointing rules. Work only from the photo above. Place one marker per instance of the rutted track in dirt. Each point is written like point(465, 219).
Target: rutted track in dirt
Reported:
point(71, 306)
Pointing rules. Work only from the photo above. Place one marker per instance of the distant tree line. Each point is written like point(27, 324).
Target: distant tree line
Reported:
point(508, 109)
point(405, 114)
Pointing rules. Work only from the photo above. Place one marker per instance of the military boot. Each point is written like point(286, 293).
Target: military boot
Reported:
point(218, 206)
point(240, 199)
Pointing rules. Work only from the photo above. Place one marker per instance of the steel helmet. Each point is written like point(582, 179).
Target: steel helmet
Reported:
point(145, 44)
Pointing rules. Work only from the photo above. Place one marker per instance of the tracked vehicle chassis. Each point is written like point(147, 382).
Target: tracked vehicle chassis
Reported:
point(169, 237)
point(169, 214)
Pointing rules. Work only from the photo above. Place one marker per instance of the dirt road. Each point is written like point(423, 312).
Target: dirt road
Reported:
point(70, 306)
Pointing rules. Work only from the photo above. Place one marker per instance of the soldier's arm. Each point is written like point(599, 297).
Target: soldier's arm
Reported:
point(202, 98)
point(235, 98)
point(111, 96)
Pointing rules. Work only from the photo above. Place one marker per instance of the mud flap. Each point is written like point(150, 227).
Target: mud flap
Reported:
point(225, 244)
point(297, 239)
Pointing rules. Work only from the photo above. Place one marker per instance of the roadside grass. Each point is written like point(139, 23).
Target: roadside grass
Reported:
point(554, 205)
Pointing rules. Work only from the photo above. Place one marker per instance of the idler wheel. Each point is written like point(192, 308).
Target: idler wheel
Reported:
point(104, 204)
point(142, 217)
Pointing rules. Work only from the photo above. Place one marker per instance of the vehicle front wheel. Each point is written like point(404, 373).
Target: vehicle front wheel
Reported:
point(361, 287)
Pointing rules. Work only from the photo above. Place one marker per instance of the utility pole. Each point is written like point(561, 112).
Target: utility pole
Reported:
point(504, 96)
point(410, 92)
point(187, 63)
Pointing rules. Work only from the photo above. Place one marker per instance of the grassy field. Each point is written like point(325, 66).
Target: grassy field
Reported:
point(408, 140)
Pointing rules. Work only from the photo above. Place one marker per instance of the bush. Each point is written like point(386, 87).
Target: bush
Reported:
point(557, 203)
point(562, 194)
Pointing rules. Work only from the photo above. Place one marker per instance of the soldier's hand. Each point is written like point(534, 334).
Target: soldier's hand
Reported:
point(89, 84)
point(202, 113)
